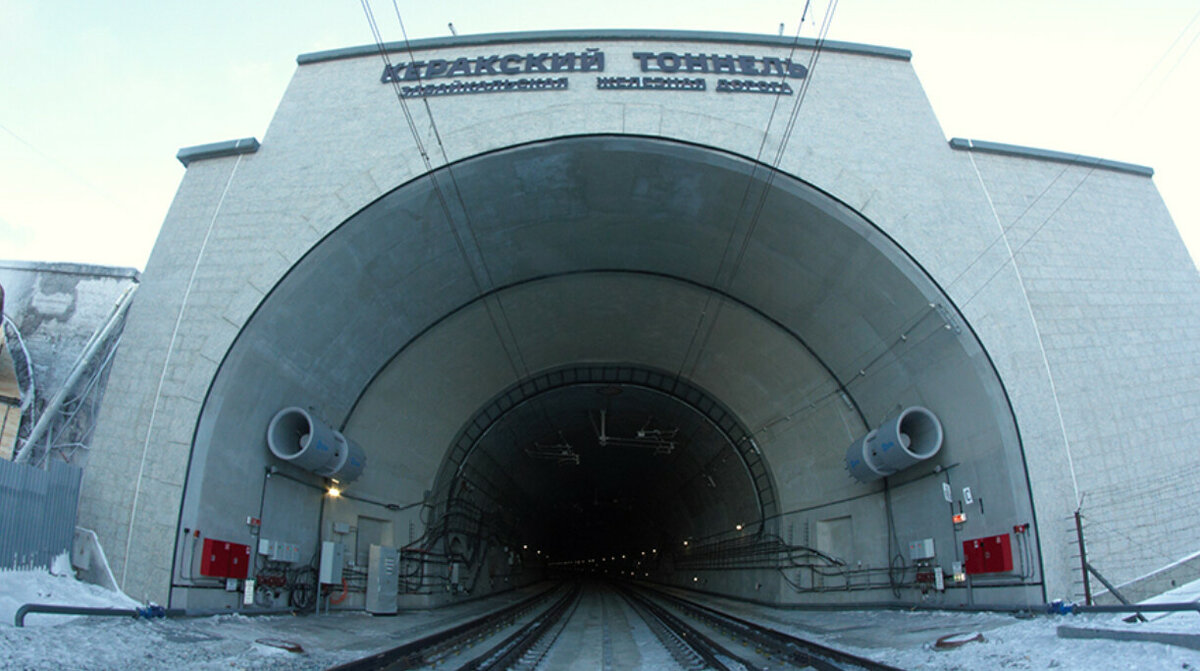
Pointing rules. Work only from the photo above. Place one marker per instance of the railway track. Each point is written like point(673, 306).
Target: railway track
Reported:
point(611, 627)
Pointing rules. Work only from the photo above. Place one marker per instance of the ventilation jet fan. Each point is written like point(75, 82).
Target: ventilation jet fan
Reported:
point(295, 436)
point(910, 437)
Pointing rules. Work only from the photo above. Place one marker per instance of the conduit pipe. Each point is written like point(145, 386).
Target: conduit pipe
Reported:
point(1130, 608)
point(147, 613)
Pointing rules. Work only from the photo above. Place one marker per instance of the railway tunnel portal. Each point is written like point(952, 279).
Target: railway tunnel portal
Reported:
point(612, 354)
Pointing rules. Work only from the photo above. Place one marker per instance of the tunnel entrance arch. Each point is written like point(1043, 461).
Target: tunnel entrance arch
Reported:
point(605, 251)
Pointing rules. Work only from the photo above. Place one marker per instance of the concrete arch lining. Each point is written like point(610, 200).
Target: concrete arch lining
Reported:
point(594, 247)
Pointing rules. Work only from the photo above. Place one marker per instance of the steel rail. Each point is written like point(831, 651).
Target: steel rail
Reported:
point(712, 653)
point(796, 650)
point(414, 654)
point(509, 651)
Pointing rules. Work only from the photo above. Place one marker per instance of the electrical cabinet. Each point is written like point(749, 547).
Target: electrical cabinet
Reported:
point(383, 580)
point(922, 549)
point(279, 550)
point(332, 557)
point(222, 559)
point(992, 554)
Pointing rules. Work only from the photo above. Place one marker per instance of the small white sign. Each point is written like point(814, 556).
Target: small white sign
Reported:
point(967, 496)
point(947, 493)
point(939, 580)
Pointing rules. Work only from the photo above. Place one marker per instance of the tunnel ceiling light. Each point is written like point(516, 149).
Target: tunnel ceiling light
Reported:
point(333, 492)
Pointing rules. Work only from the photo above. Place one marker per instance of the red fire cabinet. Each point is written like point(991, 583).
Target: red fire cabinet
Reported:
point(222, 559)
point(239, 561)
point(988, 555)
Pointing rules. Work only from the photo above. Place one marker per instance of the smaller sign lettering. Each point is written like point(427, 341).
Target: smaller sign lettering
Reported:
point(753, 86)
point(492, 86)
point(656, 83)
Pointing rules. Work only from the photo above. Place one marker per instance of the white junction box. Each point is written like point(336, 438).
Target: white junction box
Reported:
point(279, 550)
point(921, 549)
point(332, 554)
point(383, 580)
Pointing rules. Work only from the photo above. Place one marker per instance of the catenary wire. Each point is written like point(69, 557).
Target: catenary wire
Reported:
point(1076, 160)
point(515, 361)
point(706, 325)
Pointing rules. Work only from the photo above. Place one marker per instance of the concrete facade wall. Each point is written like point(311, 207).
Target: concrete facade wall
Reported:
point(865, 134)
point(1117, 303)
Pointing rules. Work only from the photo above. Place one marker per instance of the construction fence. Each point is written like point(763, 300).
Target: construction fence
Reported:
point(37, 513)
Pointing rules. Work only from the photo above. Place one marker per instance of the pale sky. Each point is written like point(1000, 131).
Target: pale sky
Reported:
point(96, 97)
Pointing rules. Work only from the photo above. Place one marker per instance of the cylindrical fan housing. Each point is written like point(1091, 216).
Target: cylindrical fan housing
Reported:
point(910, 437)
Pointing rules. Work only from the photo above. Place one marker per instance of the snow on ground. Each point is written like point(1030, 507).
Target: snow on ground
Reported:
point(77, 642)
point(902, 639)
point(1015, 643)
point(1181, 622)
point(215, 642)
point(57, 586)
point(905, 639)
